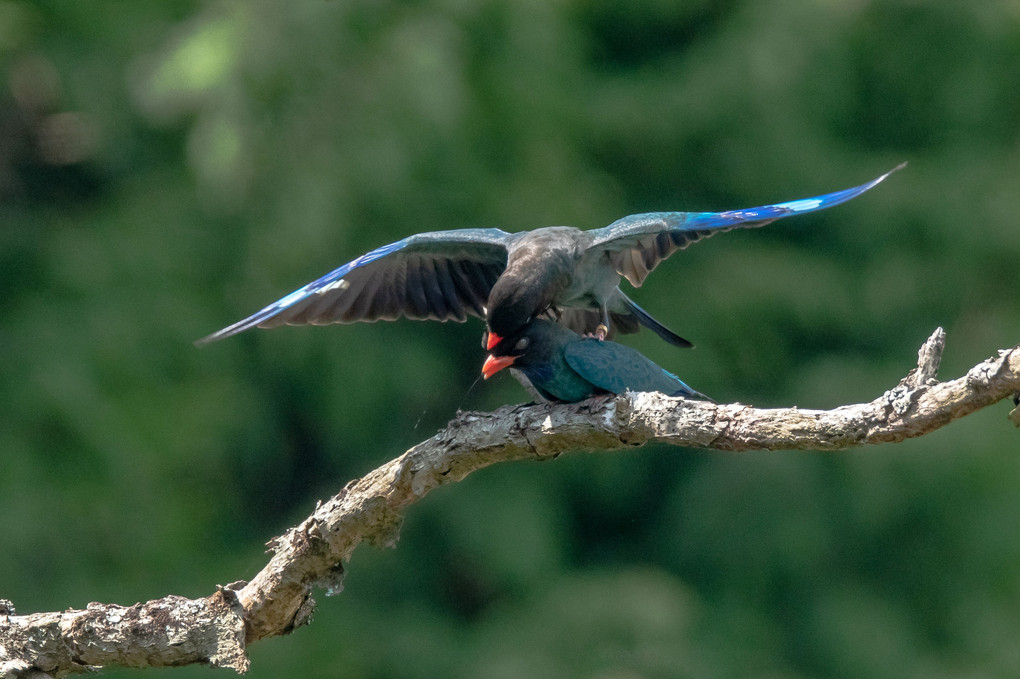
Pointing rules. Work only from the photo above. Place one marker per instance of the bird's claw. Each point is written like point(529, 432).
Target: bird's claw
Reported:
point(601, 331)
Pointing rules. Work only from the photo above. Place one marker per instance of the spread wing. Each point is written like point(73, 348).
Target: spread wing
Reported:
point(636, 244)
point(439, 275)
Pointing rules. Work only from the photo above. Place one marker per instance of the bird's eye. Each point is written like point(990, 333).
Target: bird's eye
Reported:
point(522, 344)
point(485, 339)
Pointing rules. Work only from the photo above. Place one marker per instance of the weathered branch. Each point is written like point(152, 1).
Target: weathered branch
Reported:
point(216, 629)
point(165, 632)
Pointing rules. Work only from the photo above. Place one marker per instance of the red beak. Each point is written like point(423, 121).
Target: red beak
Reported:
point(493, 364)
point(494, 339)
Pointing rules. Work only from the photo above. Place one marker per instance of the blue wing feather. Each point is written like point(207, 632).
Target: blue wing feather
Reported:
point(481, 250)
point(768, 213)
point(652, 223)
point(637, 243)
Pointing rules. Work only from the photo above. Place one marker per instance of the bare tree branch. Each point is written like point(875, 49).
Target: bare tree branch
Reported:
point(165, 632)
point(216, 629)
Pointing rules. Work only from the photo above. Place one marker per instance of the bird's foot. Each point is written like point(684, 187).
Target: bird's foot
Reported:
point(601, 331)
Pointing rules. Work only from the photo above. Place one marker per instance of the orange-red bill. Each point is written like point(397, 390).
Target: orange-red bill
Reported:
point(493, 364)
point(493, 340)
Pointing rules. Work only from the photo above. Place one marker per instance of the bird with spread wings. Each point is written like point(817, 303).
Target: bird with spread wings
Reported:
point(509, 279)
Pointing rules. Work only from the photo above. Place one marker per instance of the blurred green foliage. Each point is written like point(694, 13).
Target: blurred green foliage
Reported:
point(167, 168)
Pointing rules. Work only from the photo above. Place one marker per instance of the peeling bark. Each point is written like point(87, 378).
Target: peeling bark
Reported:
point(216, 629)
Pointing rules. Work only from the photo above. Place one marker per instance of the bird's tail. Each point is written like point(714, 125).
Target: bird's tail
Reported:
point(691, 393)
point(646, 320)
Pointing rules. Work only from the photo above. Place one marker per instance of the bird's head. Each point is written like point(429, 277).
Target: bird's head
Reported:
point(508, 312)
point(532, 344)
point(526, 289)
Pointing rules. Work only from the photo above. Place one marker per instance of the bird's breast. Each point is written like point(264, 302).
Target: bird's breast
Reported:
point(593, 282)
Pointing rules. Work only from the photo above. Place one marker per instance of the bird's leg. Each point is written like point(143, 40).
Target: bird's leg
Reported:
point(602, 330)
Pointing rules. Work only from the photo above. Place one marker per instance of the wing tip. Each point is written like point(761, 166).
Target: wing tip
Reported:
point(256, 320)
point(883, 177)
point(229, 331)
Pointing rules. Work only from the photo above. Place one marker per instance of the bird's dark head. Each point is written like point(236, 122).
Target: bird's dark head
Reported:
point(532, 344)
point(532, 280)
point(510, 307)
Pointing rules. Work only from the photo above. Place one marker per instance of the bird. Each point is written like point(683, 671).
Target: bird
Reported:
point(561, 365)
point(558, 272)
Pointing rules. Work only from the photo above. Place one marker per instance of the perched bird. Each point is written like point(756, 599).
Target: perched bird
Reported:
point(561, 365)
point(509, 279)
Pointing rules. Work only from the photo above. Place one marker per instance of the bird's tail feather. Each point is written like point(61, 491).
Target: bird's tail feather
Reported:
point(693, 393)
point(646, 320)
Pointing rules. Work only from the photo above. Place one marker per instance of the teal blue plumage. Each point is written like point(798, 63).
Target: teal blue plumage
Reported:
point(564, 366)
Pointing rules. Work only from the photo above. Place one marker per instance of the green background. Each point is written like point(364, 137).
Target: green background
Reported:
point(167, 168)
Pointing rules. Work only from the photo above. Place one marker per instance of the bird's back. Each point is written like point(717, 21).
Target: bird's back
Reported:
point(617, 368)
